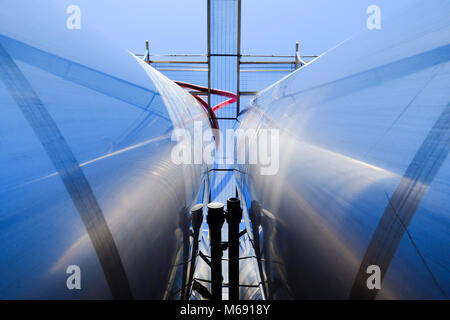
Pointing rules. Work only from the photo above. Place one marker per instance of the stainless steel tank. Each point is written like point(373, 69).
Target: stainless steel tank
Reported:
point(86, 173)
point(364, 177)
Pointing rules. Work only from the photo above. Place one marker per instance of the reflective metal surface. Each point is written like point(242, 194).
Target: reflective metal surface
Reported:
point(87, 177)
point(363, 173)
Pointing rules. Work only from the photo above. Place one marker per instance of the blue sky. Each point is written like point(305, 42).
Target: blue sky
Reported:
point(268, 26)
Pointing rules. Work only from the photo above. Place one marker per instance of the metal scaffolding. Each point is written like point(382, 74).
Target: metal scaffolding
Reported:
point(224, 80)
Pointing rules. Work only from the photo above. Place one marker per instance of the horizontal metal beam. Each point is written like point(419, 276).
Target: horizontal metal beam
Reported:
point(171, 55)
point(178, 55)
point(198, 93)
point(226, 284)
point(266, 56)
point(224, 55)
point(178, 61)
point(267, 70)
point(182, 69)
point(267, 62)
point(273, 56)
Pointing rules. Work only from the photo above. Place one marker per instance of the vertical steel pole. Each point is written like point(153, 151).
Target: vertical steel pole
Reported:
point(196, 219)
point(296, 55)
point(234, 216)
point(215, 221)
point(148, 51)
point(238, 102)
point(184, 226)
point(209, 50)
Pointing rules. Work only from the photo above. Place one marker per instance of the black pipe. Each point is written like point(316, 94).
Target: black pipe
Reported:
point(184, 226)
point(215, 221)
point(234, 216)
point(196, 219)
point(256, 220)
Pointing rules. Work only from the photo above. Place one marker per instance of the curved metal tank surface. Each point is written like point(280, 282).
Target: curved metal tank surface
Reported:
point(86, 174)
point(364, 177)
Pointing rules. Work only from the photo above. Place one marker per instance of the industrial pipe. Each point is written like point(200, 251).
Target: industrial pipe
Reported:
point(215, 221)
point(234, 216)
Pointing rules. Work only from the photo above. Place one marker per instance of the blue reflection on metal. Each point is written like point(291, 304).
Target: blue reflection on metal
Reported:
point(87, 177)
point(364, 173)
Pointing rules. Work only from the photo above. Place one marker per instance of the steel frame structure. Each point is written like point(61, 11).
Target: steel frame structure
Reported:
point(287, 63)
point(291, 61)
point(245, 63)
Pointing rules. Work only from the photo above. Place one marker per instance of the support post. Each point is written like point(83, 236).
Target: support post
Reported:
point(209, 49)
point(196, 219)
point(238, 86)
point(148, 51)
point(296, 55)
point(234, 216)
point(215, 221)
point(184, 222)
